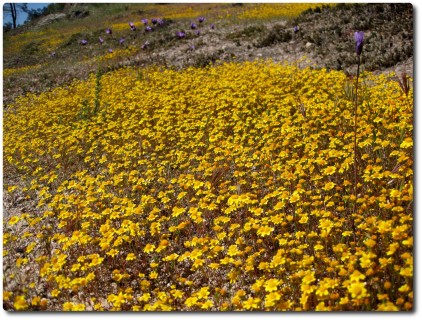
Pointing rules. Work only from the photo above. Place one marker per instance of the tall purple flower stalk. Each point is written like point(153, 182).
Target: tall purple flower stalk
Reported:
point(193, 26)
point(122, 40)
point(108, 31)
point(132, 26)
point(201, 19)
point(359, 47)
point(101, 40)
point(144, 21)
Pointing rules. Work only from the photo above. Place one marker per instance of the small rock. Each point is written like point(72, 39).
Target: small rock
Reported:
point(51, 18)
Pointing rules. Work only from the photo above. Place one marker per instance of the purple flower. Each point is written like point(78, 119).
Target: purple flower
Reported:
point(201, 19)
point(132, 26)
point(84, 42)
point(160, 22)
point(121, 40)
point(101, 40)
point(213, 26)
point(193, 26)
point(154, 21)
point(108, 31)
point(145, 45)
point(144, 21)
point(148, 29)
point(110, 50)
point(197, 32)
point(180, 34)
point(53, 54)
point(359, 42)
point(192, 48)
point(296, 29)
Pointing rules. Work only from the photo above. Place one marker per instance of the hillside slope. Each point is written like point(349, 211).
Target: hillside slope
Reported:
point(44, 55)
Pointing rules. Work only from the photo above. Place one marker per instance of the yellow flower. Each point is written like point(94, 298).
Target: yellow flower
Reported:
point(207, 304)
point(329, 185)
point(191, 301)
point(309, 278)
point(113, 252)
point(271, 299)
point(13, 220)
point(357, 290)
point(144, 298)
point(264, 231)
point(388, 306)
point(7, 295)
point(250, 304)
point(233, 250)
point(177, 294)
point(130, 257)
point(214, 265)
point(35, 301)
point(55, 293)
point(394, 193)
point(404, 288)
point(177, 211)
point(149, 248)
point(271, 285)
point(407, 272)
point(20, 303)
point(203, 293)
point(318, 247)
point(295, 197)
point(322, 307)
point(322, 290)
point(329, 170)
point(370, 243)
point(407, 143)
point(356, 276)
point(67, 306)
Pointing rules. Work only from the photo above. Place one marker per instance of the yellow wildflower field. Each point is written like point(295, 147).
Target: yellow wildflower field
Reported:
point(223, 188)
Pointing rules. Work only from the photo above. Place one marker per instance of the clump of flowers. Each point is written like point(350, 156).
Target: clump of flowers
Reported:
point(230, 202)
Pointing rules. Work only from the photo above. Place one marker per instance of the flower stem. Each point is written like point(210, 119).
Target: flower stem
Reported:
point(355, 147)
